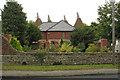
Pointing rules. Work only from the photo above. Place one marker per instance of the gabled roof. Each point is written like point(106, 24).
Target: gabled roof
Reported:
point(46, 25)
point(61, 26)
point(56, 26)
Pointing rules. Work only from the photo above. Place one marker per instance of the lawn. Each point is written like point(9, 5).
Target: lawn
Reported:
point(57, 67)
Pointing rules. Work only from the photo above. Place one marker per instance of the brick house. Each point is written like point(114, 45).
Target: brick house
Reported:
point(53, 32)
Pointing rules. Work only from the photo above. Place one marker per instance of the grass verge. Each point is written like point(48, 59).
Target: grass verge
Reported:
point(56, 67)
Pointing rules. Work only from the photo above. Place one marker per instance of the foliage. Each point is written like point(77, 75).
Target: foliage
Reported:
point(14, 21)
point(92, 48)
point(79, 48)
point(105, 49)
point(95, 27)
point(82, 34)
point(16, 44)
point(61, 42)
point(105, 21)
point(75, 49)
point(66, 48)
point(52, 48)
point(26, 48)
point(33, 32)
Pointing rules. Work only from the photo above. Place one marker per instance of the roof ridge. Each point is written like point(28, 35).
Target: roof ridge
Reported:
point(50, 22)
point(54, 25)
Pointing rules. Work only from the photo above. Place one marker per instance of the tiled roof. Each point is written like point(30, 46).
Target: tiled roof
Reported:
point(56, 26)
point(61, 26)
point(46, 25)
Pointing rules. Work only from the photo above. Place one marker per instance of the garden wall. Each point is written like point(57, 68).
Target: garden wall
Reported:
point(59, 59)
point(10, 56)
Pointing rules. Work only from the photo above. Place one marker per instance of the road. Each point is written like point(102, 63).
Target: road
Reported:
point(85, 77)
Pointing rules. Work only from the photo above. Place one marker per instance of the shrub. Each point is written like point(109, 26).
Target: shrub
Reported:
point(66, 48)
point(105, 49)
point(26, 48)
point(75, 49)
point(36, 47)
point(52, 48)
point(16, 44)
point(61, 42)
point(92, 48)
point(81, 46)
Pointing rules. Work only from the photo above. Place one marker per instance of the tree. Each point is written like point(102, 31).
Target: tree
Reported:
point(33, 33)
point(14, 21)
point(82, 34)
point(95, 27)
point(105, 20)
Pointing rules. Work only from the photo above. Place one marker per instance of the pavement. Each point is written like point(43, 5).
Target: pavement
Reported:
point(60, 73)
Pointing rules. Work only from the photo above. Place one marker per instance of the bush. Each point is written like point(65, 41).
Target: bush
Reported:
point(66, 48)
point(75, 49)
point(61, 42)
point(16, 44)
point(26, 48)
point(92, 48)
point(79, 48)
point(36, 47)
point(105, 49)
point(52, 48)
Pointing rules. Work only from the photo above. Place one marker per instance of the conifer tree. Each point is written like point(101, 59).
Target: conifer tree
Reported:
point(14, 21)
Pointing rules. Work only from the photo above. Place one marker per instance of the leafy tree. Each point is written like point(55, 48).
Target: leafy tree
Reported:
point(33, 33)
point(105, 20)
point(14, 21)
point(95, 27)
point(82, 34)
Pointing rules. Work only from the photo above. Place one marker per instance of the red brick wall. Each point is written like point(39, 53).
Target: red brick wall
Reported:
point(43, 35)
point(56, 35)
point(68, 35)
point(104, 43)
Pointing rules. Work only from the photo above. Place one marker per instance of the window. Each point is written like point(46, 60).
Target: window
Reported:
point(63, 35)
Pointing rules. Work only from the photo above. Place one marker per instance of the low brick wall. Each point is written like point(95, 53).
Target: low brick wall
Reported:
point(59, 59)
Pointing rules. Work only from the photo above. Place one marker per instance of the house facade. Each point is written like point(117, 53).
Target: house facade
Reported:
point(53, 32)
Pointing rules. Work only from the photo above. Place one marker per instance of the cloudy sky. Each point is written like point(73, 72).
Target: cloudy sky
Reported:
point(87, 9)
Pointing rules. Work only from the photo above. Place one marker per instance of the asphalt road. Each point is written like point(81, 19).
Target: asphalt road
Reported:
point(85, 77)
